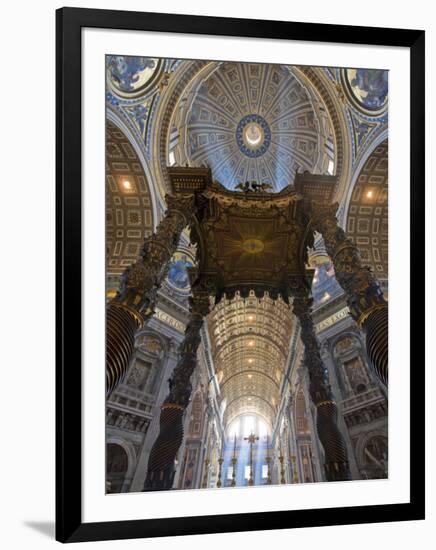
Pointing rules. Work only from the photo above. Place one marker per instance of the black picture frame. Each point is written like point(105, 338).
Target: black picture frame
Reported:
point(69, 23)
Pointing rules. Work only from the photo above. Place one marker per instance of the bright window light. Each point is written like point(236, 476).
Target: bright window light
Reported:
point(234, 428)
point(263, 428)
point(248, 425)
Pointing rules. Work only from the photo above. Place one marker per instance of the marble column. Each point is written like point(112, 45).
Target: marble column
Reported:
point(364, 296)
point(161, 469)
point(134, 303)
point(335, 452)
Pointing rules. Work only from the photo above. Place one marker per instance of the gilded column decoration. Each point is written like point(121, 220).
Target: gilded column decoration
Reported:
point(205, 473)
point(134, 303)
point(251, 440)
point(282, 469)
point(294, 469)
point(364, 296)
point(220, 468)
point(336, 460)
point(161, 468)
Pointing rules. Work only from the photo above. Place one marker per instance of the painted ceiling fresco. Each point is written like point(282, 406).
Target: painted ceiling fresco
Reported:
point(178, 271)
point(131, 76)
point(368, 88)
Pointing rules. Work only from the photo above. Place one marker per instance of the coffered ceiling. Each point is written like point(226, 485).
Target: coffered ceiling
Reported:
point(129, 216)
point(251, 121)
point(367, 222)
point(250, 341)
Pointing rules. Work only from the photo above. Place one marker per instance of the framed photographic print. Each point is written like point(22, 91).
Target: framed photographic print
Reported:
point(239, 221)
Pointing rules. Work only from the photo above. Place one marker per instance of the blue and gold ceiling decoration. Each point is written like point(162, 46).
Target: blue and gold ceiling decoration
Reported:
point(367, 89)
point(364, 94)
point(133, 87)
point(130, 76)
point(252, 122)
point(253, 136)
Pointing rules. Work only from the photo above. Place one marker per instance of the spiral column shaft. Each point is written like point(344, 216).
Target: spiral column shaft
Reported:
point(161, 471)
point(161, 465)
point(134, 303)
point(121, 326)
point(336, 464)
point(376, 329)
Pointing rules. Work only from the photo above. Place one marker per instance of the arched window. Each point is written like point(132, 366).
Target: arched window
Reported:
point(244, 425)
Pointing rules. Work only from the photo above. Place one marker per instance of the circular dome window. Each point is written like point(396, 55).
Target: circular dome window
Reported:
point(253, 135)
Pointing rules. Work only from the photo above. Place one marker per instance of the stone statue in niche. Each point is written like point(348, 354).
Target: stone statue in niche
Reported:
point(110, 417)
point(135, 376)
point(356, 375)
point(139, 374)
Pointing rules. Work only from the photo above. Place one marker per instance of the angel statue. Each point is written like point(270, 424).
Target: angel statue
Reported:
point(245, 187)
point(265, 187)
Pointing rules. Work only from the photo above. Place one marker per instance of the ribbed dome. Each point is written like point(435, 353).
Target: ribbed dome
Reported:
point(252, 122)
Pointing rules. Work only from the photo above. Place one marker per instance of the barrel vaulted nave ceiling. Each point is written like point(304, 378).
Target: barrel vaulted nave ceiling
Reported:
point(250, 346)
point(246, 121)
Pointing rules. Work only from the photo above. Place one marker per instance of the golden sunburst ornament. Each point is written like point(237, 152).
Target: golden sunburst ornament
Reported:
point(253, 246)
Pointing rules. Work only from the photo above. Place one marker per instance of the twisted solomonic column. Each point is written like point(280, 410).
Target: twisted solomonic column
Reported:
point(336, 459)
point(161, 464)
point(364, 296)
point(134, 303)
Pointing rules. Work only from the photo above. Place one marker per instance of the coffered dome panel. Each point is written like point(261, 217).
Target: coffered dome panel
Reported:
point(367, 221)
point(129, 216)
point(252, 122)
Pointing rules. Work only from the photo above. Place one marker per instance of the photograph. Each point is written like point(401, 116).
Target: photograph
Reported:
point(221, 271)
point(247, 279)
